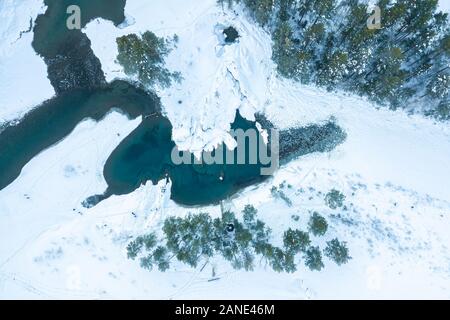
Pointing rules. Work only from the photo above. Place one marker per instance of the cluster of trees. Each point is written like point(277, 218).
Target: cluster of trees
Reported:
point(143, 57)
point(196, 238)
point(405, 63)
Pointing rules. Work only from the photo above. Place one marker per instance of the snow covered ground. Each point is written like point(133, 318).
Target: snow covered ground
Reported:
point(23, 74)
point(393, 170)
point(218, 78)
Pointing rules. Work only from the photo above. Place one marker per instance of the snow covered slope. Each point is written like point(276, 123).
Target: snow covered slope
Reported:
point(393, 170)
point(23, 74)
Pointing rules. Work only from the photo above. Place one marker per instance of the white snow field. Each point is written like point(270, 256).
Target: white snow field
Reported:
point(23, 74)
point(444, 5)
point(393, 169)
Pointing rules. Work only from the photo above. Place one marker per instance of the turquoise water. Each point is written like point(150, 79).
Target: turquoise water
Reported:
point(145, 155)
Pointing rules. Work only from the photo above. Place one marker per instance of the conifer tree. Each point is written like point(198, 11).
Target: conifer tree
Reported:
point(337, 251)
point(295, 241)
point(318, 226)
